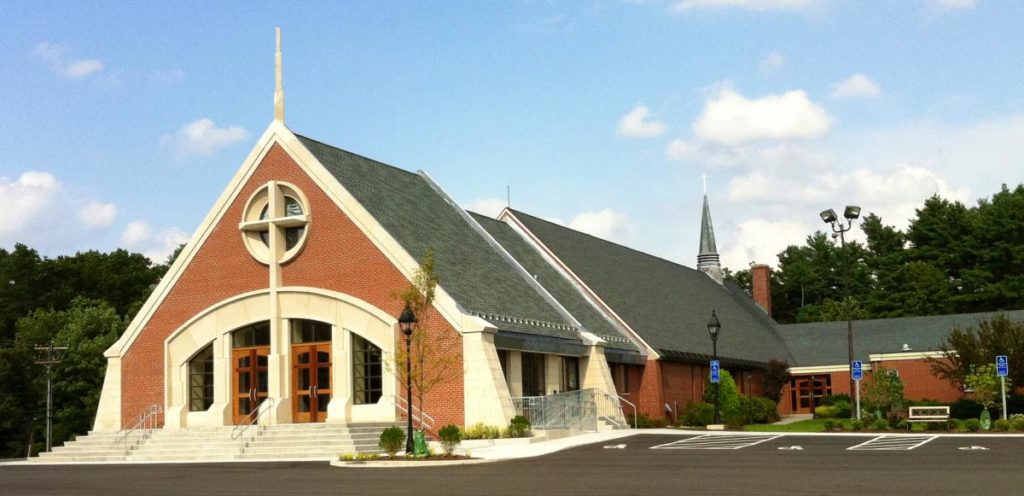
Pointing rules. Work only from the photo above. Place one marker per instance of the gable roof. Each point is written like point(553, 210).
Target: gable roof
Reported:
point(557, 285)
point(419, 217)
point(667, 304)
point(824, 343)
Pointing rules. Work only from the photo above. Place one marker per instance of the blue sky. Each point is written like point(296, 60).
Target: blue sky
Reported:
point(122, 123)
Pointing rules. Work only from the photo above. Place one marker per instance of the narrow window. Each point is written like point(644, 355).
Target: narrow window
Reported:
point(533, 374)
point(200, 380)
point(503, 360)
point(570, 373)
point(625, 379)
point(367, 374)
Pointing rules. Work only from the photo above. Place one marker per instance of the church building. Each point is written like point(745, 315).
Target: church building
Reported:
point(282, 305)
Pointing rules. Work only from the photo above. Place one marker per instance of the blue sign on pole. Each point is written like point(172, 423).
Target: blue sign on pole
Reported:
point(716, 371)
point(857, 369)
point(1002, 366)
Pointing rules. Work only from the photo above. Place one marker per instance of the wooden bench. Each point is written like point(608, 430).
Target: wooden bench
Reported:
point(927, 414)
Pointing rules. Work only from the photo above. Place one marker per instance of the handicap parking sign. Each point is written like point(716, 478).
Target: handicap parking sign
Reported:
point(716, 371)
point(1002, 366)
point(857, 369)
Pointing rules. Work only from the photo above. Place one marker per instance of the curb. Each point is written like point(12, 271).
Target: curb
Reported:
point(408, 464)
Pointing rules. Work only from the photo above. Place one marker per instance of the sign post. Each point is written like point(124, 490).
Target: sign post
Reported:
point(1003, 369)
point(857, 373)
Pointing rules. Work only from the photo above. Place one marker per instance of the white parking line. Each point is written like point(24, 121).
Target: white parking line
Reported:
point(723, 442)
point(893, 443)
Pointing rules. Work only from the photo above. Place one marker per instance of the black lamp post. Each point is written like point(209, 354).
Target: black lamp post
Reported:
point(406, 320)
point(713, 327)
point(851, 214)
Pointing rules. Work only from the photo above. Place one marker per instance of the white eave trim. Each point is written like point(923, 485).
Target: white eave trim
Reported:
point(906, 355)
point(823, 369)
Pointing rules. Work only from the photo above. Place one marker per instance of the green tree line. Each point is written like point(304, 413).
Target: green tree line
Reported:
point(951, 259)
point(83, 302)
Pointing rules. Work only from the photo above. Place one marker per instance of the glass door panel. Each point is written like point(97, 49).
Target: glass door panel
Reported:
point(311, 380)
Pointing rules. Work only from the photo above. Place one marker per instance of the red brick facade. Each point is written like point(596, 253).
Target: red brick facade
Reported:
point(337, 256)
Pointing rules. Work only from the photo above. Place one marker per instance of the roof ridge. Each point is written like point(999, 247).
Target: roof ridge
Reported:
point(944, 315)
point(649, 255)
point(354, 154)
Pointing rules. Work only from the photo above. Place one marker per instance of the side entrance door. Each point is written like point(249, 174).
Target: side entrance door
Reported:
point(311, 379)
point(249, 381)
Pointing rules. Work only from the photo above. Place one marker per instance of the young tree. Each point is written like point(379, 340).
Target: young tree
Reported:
point(775, 378)
point(883, 391)
point(433, 360)
point(965, 348)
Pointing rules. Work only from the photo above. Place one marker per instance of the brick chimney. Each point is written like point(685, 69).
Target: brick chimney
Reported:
point(761, 277)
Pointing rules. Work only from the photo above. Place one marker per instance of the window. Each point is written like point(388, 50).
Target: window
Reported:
point(570, 373)
point(250, 336)
point(625, 379)
point(291, 219)
point(200, 380)
point(367, 374)
point(503, 360)
point(310, 331)
point(533, 374)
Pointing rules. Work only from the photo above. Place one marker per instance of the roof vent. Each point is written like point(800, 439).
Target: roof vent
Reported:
point(906, 347)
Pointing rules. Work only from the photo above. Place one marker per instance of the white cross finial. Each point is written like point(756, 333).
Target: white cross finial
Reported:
point(278, 87)
point(704, 178)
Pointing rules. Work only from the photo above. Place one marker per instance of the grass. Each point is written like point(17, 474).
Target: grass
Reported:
point(809, 425)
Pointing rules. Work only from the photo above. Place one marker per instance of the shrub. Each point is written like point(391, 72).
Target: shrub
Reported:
point(857, 425)
point(1001, 425)
point(901, 424)
point(519, 426)
point(644, 421)
point(391, 440)
point(965, 409)
point(956, 425)
point(481, 431)
point(880, 425)
point(728, 395)
point(698, 414)
point(775, 378)
point(830, 425)
point(450, 437)
point(825, 411)
point(1017, 422)
point(759, 410)
point(972, 425)
point(734, 420)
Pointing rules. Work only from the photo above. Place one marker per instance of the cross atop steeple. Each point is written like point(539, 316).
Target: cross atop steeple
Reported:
point(704, 178)
point(278, 87)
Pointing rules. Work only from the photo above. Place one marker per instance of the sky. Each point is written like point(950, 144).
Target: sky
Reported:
point(122, 122)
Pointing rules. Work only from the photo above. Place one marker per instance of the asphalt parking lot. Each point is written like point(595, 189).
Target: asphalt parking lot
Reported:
point(641, 464)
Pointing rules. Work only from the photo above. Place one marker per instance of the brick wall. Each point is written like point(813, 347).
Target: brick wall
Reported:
point(337, 256)
point(649, 397)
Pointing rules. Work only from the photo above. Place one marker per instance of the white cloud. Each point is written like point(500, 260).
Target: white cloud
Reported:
point(97, 215)
point(156, 245)
point(203, 137)
point(55, 54)
point(758, 5)
point(605, 224)
point(730, 118)
point(637, 124)
point(772, 63)
point(953, 4)
point(83, 68)
point(679, 149)
point(760, 241)
point(490, 207)
point(42, 213)
point(856, 86)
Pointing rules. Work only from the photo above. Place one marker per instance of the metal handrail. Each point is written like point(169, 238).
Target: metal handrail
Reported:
point(147, 422)
point(568, 410)
point(424, 418)
point(620, 399)
point(253, 419)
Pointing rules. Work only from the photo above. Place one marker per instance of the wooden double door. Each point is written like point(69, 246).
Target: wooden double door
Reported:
point(250, 379)
point(311, 382)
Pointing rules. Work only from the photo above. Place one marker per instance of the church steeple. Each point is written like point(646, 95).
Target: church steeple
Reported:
point(707, 257)
point(278, 86)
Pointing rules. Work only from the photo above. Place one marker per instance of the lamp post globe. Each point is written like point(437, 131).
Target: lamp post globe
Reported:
point(406, 321)
point(714, 326)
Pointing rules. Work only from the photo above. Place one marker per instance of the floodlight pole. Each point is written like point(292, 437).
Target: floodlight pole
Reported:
point(829, 217)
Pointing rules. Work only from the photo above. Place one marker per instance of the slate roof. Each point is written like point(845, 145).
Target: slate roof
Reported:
point(557, 285)
point(667, 304)
point(824, 343)
point(469, 268)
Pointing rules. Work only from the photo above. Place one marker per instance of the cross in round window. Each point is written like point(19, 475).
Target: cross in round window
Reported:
point(275, 221)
